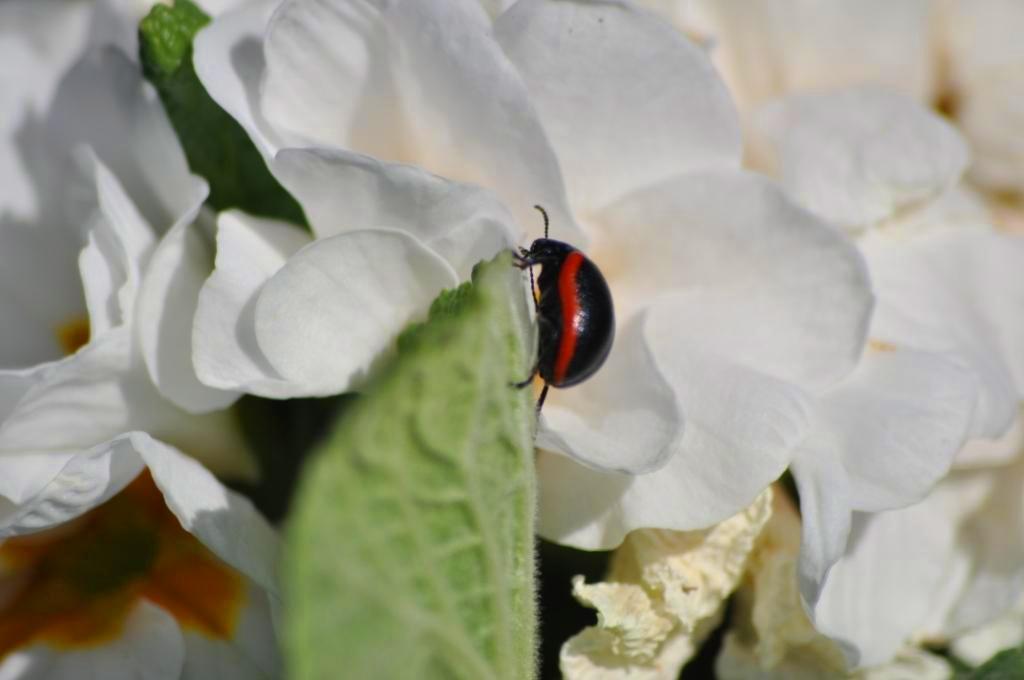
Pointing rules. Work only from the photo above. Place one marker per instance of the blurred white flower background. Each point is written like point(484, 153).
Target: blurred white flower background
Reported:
point(804, 457)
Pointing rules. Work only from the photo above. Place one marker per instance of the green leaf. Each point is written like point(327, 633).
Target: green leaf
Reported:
point(1006, 665)
point(216, 146)
point(410, 553)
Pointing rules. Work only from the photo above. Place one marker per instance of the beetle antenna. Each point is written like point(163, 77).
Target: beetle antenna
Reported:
point(545, 214)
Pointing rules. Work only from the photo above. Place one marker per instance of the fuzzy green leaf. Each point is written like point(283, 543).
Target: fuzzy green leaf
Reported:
point(410, 550)
point(216, 146)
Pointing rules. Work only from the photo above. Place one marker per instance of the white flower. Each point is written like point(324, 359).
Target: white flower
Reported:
point(734, 306)
point(948, 288)
point(768, 49)
point(91, 347)
point(134, 561)
point(961, 56)
point(980, 43)
point(932, 571)
point(39, 41)
point(771, 637)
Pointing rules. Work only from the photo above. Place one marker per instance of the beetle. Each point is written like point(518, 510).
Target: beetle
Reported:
point(575, 314)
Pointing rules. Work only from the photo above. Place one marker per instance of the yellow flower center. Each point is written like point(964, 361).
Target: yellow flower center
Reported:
point(881, 346)
point(73, 334)
point(76, 584)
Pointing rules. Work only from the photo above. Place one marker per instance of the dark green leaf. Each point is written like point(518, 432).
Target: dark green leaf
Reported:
point(1006, 665)
point(216, 146)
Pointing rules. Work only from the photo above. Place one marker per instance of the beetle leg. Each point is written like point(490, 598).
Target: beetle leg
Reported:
point(520, 385)
point(543, 396)
point(521, 261)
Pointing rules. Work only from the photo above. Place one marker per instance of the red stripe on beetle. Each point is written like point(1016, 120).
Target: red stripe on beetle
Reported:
point(570, 308)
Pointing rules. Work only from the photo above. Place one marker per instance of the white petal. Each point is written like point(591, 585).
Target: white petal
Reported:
point(766, 49)
point(825, 511)
point(24, 475)
point(224, 521)
point(463, 223)
point(150, 648)
point(860, 155)
point(228, 58)
point(900, 419)
point(338, 303)
point(165, 310)
point(623, 419)
point(329, 77)
point(904, 571)
point(422, 83)
point(910, 662)
point(84, 482)
point(39, 292)
point(879, 594)
point(251, 652)
point(626, 100)
point(496, 7)
point(101, 264)
point(983, 453)
point(958, 292)
point(104, 390)
point(883, 438)
point(748, 276)
point(15, 383)
point(104, 104)
point(740, 431)
point(954, 550)
point(120, 243)
point(225, 352)
point(82, 393)
point(42, 42)
point(992, 539)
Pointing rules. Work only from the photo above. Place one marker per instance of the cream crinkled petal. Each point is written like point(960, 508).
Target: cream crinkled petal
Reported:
point(664, 595)
point(771, 636)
